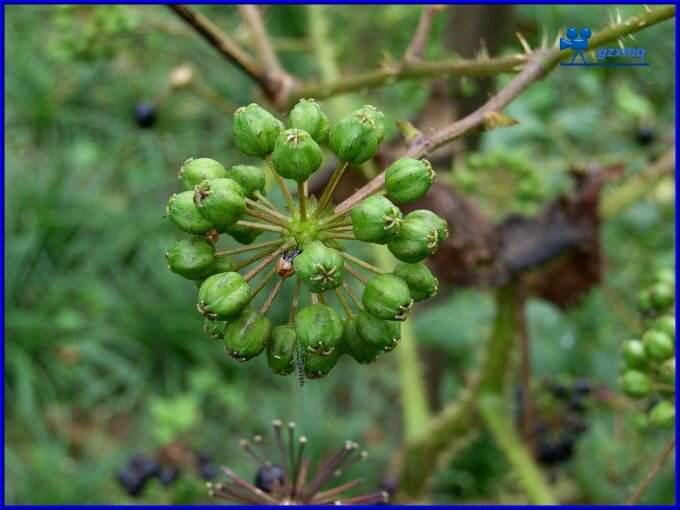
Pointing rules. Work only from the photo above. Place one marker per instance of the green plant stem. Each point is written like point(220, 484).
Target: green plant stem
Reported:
point(272, 295)
point(351, 295)
point(264, 200)
point(356, 275)
point(251, 247)
point(265, 262)
point(268, 209)
point(331, 185)
point(343, 302)
point(500, 423)
point(282, 185)
point(453, 426)
point(638, 186)
point(266, 217)
point(340, 235)
point(415, 411)
point(335, 218)
point(302, 198)
point(656, 466)
point(260, 226)
point(361, 263)
point(263, 283)
point(243, 263)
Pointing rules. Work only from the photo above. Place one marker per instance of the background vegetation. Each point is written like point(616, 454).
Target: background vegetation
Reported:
point(104, 353)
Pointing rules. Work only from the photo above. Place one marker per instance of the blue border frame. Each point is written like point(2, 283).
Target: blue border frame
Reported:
point(2, 215)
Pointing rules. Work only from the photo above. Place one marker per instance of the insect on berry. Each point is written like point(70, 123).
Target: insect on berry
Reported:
point(284, 266)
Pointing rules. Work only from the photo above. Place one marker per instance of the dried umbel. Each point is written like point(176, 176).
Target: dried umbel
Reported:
point(649, 362)
point(342, 305)
point(286, 476)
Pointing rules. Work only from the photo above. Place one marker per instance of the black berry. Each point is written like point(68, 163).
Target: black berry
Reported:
point(267, 477)
point(168, 475)
point(131, 482)
point(645, 135)
point(145, 115)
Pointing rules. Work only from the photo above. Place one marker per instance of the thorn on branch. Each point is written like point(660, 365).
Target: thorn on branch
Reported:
point(416, 48)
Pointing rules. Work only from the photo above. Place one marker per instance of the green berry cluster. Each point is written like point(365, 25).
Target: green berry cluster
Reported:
point(308, 241)
point(649, 362)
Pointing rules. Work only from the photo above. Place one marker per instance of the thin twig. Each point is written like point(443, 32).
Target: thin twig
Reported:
point(415, 49)
point(351, 295)
point(263, 283)
point(251, 247)
point(330, 187)
point(272, 296)
point(259, 226)
point(227, 47)
point(343, 302)
point(525, 379)
point(302, 199)
point(653, 470)
point(357, 275)
point(268, 209)
point(267, 217)
point(361, 263)
point(264, 200)
point(282, 185)
point(267, 260)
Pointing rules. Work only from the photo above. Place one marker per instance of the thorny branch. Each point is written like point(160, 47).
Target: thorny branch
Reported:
point(415, 50)
point(539, 64)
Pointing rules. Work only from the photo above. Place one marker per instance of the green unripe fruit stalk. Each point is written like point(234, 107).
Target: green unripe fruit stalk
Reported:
point(376, 220)
point(249, 178)
point(255, 130)
point(378, 333)
point(318, 328)
point(307, 115)
point(387, 297)
point(223, 295)
point(634, 355)
point(407, 179)
point(184, 214)
point(362, 351)
point(247, 335)
point(635, 384)
point(220, 201)
point(662, 415)
point(658, 346)
point(422, 284)
point(355, 139)
point(319, 267)
point(296, 155)
point(318, 365)
point(195, 171)
point(214, 329)
point(281, 350)
point(191, 258)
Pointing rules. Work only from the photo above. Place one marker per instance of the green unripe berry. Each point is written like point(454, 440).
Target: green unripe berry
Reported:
point(223, 295)
point(658, 346)
point(662, 415)
point(433, 219)
point(296, 155)
point(362, 351)
point(422, 284)
point(634, 355)
point(183, 212)
point(243, 234)
point(318, 328)
point(191, 258)
point(418, 238)
point(635, 384)
point(387, 297)
point(644, 300)
point(214, 329)
point(320, 267)
point(355, 138)
point(376, 220)
point(666, 324)
point(246, 336)
point(250, 178)
point(666, 276)
point(223, 264)
point(667, 371)
point(662, 295)
point(407, 179)
point(318, 365)
point(255, 130)
point(307, 115)
point(195, 171)
point(378, 333)
point(220, 201)
point(281, 350)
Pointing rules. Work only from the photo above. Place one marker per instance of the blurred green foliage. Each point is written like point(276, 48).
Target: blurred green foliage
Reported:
point(104, 353)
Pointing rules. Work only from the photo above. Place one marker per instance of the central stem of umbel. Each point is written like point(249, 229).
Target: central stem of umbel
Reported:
point(340, 304)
